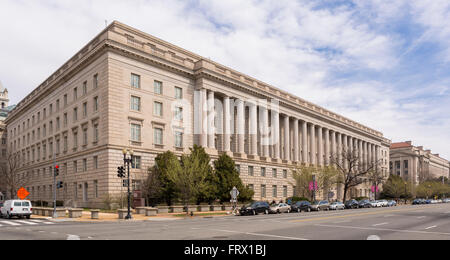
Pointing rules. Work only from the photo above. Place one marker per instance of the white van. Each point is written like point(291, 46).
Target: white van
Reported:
point(16, 208)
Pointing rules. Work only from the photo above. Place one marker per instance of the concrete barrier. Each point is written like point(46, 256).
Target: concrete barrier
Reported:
point(151, 212)
point(140, 210)
point(205, 208)
point(122, 213)
point(216, 208)
point(75, 213)
point(60, 213)
point(95, 213)
point(192, 208)
point(177, 209)
point(163, 209)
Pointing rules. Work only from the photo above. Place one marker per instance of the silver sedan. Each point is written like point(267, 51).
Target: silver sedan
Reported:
point(337, 206)
point(280, 208)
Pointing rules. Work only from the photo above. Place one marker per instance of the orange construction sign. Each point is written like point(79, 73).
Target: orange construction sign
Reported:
point(22, 193)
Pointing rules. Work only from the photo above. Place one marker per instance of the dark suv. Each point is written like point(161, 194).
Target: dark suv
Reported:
point(300, 206)
point(255, 208)
point(351, 204)
point(364, 204)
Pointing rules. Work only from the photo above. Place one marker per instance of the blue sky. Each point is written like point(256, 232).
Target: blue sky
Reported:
point(385, 64)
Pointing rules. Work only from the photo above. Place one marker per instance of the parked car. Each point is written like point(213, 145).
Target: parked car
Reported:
point(320, 205)
point(374, 204)
point(392, 203)
point(255, 208)
point(16, 208)
point(384, 203)
point(364, 204)
point(446, 200)
point(419, 201)
point(280, 208)
point(300, 206)
point(1, 206)
point(337, 206)
point(351, 204)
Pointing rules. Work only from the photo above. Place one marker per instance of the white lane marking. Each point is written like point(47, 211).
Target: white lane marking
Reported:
point(73, 237)
point(385, 229)
point(373, 237)
point(9, 223)
point(380, 224)
point(26, 222)
point(430, 227)
point(254, 234)
point(421, 217)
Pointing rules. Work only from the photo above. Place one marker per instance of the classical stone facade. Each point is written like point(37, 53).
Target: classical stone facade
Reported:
point(415, 164)
point(128, 89)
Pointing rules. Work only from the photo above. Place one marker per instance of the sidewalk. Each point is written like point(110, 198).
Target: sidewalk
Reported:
point(110, 217)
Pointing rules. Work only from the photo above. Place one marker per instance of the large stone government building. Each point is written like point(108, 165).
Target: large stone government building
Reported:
point(415, 164)
point(128, 89)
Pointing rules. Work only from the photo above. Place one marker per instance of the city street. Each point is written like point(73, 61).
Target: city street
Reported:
point(424, 222)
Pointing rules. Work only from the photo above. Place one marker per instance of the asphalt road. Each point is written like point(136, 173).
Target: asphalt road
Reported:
point(423, 222)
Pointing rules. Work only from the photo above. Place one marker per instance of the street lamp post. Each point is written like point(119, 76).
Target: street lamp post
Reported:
point(127, 162)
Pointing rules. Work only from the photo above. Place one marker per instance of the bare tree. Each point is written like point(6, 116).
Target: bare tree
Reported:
point(351, 171)
point(10, 180)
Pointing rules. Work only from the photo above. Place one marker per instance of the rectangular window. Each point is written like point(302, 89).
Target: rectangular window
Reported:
point(95, 162)
point(158, 136)
point(285, 191)
point(95, 133)
point(85, 137)
point(135, 81)
point(285, 174)
point(178, 139)
point(96, 189)
point(75, 94)
point(263, 172)
point(75, 166)
point(157, 109)
point(274, 191)
point(135, 103)
point(274, 173)
point(95, 81)
point(95, 104)
point(85, 165)
point(238, 168)
point(263, 191)
point(158, 87)
point(250, 170)
point(178, 93)
point(84, 88)
point(179, 113)
point(136, 162)
point(85, 112)
point(75, 114)
point(65, 100)
point(135, 132)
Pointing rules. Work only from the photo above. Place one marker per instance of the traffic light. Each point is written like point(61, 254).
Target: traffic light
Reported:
point(56, 170)
point(60, 184)
point(121, 172)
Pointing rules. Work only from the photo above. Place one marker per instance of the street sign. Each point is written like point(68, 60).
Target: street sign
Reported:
point(234, 193)
point(22, 193)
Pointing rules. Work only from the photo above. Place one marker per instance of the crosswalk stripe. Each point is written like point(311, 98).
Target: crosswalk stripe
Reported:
point(10, 223)
point(26, 222)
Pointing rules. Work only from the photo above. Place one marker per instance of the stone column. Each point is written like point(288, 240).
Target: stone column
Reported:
point(360, 153)
point(350, 146)
point(305, 142)
point(345, 147)
point(287, 139)
point(333, 145)
point(320, 145)
point(211, 117)
point(241, 127)
point(265, 131)
point(204, 130)
point(312, 140)
point(253, 130)
point(327, 147)
point(226, 124)
point(296, 141)
point(339, 147)
point(276, 133)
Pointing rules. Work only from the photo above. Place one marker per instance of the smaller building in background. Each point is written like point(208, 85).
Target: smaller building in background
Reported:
point(415, 164)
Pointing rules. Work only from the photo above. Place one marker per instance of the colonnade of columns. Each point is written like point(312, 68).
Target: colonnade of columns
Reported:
point(224, 124)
